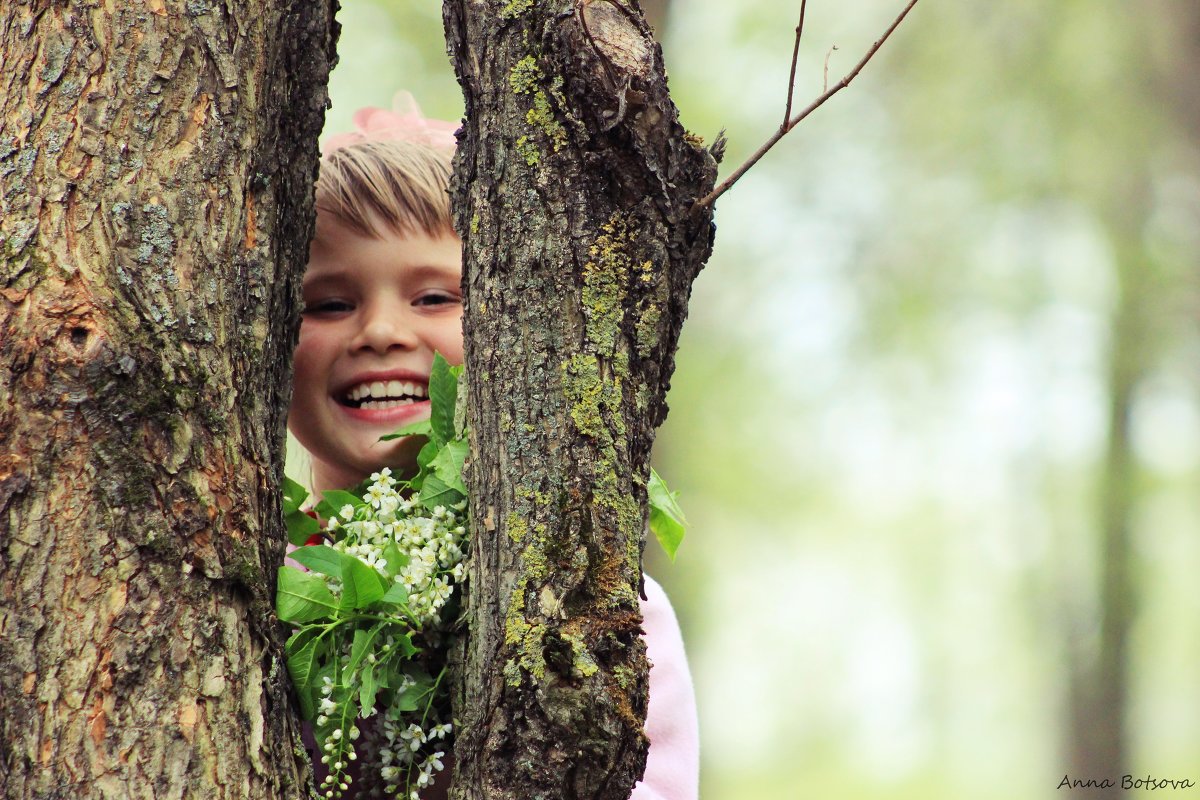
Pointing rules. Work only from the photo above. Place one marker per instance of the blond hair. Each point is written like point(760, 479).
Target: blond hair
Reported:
point(402, 184)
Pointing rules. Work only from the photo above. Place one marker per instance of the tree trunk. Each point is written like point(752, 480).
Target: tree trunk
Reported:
point(1144, 318)
point(1099, 694)
point(157, 162)
point(573, 192)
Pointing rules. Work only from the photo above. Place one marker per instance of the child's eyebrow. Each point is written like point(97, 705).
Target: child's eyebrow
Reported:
point(323, 278)
point(435, 271)
point(418, 273)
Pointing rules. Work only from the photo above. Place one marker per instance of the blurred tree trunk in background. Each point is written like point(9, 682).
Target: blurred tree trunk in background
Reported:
point(1099, 697)
point(656, 14)
point(1176, 89)
point(1099, 737)
point(157, 164)
point(573, 191)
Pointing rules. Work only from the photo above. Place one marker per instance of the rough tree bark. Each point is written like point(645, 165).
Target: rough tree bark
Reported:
point(157, 161)
point(574, 193)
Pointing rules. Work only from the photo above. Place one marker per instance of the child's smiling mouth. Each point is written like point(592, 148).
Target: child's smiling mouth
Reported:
point(383, 394)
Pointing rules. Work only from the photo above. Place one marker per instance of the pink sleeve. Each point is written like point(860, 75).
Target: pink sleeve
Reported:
point(673, 763)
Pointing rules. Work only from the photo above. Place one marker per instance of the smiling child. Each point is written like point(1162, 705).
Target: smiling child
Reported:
point(382, 294)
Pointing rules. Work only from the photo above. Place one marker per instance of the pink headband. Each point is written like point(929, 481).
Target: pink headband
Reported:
point(403, 123)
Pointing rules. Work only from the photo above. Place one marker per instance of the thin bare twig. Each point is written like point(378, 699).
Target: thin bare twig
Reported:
point(784, 129)
point(825, 79)
point(787, 111)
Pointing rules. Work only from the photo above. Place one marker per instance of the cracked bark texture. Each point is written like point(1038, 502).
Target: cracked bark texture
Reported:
point(156, 161)
point(574, 189)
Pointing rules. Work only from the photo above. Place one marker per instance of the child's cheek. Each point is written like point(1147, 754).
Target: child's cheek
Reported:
point(457, 338)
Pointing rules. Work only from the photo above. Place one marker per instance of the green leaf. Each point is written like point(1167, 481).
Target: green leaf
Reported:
point(361, 585)
point(460, 407)
point(320, 558)
point(396, 560)
point(408, 700)
point(301, 636)
point(667, 522)
point(419, 428)
point(448, 464)
point(443, 391)
point(363, 639)
point(303, 596)
point(333, 500)
point(294, 496)
point(386, 675)
point(425, 456)
point(406, 647)
point(435, 492)
point(302, 666)
point(300, 527)
point(667, 531)
point(412, 698)
point(396, 594)
point(367, 690)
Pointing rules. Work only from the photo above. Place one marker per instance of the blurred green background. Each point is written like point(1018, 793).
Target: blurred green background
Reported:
point(935, 420)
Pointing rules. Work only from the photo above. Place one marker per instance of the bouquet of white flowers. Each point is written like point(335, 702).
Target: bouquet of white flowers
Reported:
point(374, 607)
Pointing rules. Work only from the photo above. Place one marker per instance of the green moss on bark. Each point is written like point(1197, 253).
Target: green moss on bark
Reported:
point(582, 663)
point(515, 8)
point(525, 79)
point(527, 638)
point(516, 528)
point(605, 281)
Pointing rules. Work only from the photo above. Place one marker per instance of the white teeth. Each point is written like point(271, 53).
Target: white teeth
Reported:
point(398, 392)
point(369, 403)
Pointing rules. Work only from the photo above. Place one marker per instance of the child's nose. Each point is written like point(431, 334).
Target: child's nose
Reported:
point(385, 329)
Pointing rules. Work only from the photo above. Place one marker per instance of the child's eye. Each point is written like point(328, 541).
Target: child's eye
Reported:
point(327, 306)
point(436, 299)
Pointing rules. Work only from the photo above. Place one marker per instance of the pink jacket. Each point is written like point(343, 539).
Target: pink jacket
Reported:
point(673, 764)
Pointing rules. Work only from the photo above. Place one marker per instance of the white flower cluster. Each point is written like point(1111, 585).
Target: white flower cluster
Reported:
point(336, 746)
point(399, 757)
point(428, 546)
point(430, 541)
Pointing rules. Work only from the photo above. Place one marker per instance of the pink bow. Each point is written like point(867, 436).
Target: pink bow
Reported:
point(404, 123)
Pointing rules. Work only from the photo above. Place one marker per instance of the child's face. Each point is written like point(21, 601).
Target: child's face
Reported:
point(375, 312)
